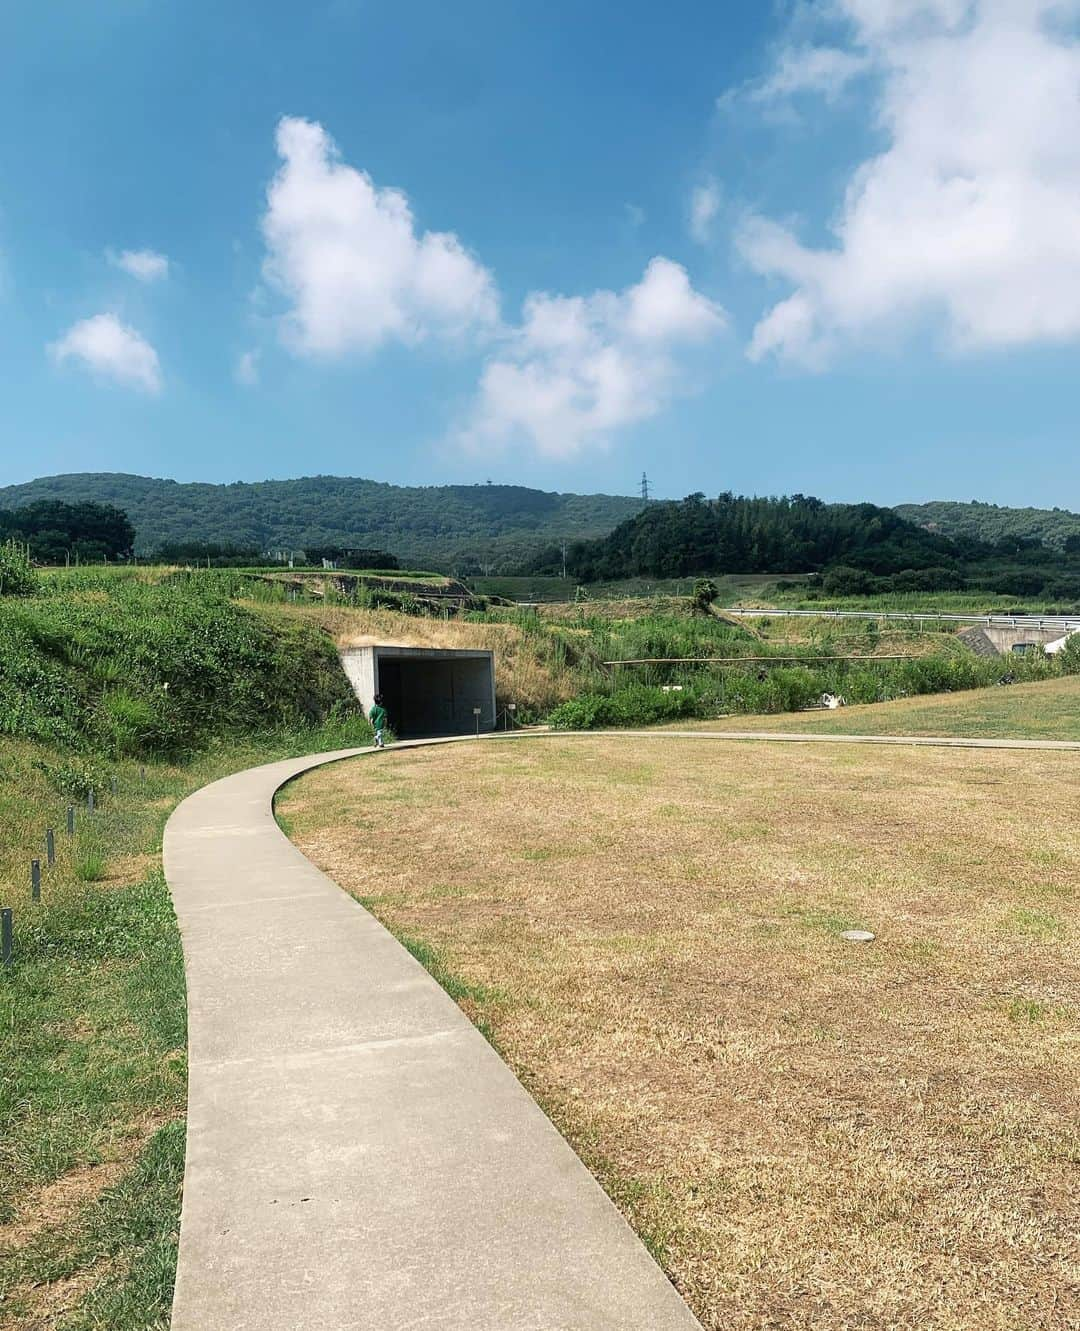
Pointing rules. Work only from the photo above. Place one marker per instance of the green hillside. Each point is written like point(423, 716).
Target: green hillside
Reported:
point(462, 527)
point(991, 522)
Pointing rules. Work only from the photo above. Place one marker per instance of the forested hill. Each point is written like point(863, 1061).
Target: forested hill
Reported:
point(799, 534)
point(496, 526)
point(859, 549)
point(1056, 527)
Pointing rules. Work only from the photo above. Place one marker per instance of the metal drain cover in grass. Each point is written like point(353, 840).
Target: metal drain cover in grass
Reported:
point(858, 935)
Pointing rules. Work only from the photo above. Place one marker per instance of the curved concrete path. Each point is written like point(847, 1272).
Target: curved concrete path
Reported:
point(358, 1156)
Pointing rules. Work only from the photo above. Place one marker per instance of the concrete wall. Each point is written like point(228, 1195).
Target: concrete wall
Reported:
point(987, 639)
point(426, 691)
point(1007, 640)
point(359, 665)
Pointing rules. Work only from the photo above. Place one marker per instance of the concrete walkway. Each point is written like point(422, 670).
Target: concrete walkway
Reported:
point(358, 1156)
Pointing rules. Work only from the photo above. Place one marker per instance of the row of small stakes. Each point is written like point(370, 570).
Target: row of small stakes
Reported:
point(7, 917)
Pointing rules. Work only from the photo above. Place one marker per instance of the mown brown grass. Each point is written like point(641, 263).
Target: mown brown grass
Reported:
point(1045, 709)
point(809, 1133)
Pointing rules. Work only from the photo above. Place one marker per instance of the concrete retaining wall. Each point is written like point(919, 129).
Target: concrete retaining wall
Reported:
point(426, 690)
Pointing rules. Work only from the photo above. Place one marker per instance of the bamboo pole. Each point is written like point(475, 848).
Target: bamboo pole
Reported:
point(735, 660)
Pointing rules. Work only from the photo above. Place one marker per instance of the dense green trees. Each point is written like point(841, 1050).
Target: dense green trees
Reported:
point(1055, 527)
point(460, 528)
point(799, 534)
point(860, 548)
point(471, 529)
point(208, 553)
point(56, 531)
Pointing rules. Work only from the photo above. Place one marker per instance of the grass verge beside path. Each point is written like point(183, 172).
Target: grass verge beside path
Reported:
point(1049, 709)
point(93, 1037)
point(808, 1133)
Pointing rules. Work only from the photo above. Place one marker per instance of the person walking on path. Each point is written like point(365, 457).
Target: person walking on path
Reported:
point(377, 717)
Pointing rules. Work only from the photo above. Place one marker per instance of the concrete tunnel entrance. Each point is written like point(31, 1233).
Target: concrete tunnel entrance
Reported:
point(426, 690)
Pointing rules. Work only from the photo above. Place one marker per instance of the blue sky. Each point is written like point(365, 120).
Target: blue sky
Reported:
point(829, 247)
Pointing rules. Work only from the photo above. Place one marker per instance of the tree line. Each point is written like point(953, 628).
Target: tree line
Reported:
point(860, 548)
point(460, 528)
point(57, 533)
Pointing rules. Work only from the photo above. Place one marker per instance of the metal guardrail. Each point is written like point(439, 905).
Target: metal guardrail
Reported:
point(1063, 622)
point(755, 660)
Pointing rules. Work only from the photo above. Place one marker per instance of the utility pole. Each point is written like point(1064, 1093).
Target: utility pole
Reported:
point(564, 560)
point(644, 488)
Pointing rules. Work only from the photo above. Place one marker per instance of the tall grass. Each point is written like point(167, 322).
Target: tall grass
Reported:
point(646, 695)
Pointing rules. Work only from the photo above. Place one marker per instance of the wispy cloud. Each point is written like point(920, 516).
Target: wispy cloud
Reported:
point(823, 70)
point(111, 350)
point(704, 207)
point(143, 265)
point(246, 370)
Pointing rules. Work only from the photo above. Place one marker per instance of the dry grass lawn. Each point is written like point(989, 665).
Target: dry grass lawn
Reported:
point(809, 1133)
point(1048, 709)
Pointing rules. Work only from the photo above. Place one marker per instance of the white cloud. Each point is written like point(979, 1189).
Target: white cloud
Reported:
point(887, 20)
point(969, 220)
point(246, 371)
point(357, 272)
point(704, 206)
point(825, 70)
point(581, 367)
point(111, 349)
point(143, 265)
point(347, 255)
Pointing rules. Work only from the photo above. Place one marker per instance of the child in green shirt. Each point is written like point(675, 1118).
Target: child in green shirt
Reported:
point(377, 717)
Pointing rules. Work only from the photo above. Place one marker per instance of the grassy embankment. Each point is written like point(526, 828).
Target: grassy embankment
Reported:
point(92, 1012)
point(552, 660)
point(808, 1133)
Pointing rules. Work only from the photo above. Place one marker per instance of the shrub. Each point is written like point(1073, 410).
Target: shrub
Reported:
point(17, 576)
point(90, 866)
point(705, 593)
point(634, 705)
point(1069, 656)
point(75, 778)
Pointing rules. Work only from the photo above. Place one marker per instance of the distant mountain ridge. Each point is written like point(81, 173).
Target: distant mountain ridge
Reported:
point(497, 526)
point(992, 522)
point(494, 526)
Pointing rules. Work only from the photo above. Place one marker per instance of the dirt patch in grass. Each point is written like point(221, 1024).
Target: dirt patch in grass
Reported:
point(808, 1133)
point(125, 870)
point(46, 1307)
point(58, 1201)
